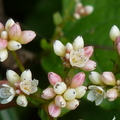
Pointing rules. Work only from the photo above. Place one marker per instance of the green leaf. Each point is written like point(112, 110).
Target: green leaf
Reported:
point(42, 114)
point(57, 18)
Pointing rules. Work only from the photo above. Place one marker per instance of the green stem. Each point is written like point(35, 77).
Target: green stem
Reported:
point(21, 67)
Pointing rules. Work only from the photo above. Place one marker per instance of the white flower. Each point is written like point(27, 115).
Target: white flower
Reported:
point(7, 93)
point(96, 94)
point(77, 58)
point(27, 85)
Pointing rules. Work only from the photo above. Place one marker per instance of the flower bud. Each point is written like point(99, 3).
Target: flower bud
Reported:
point(54, 110)
point(118, 48)
point(4, 35)
point(12, 77)
point(3, 44)
point(88, 51)
point(69, 47)
point(95, 78)
point(60, 87)
point(80, 91)
point(13, 45)
point(108, 78)
point(59, 48)
point(112, 94)
point(60, 101)
point(26, 36)
point(78, 43)
point(89, 65)
point(114, 32)
point(22, 101)
point(14, 32)
point(8, 24)
point(88, 9)
point(48, 93)
point(69, 94)
point(78, 80)
point(72, 104)
point(54, 78)
point(3, 55)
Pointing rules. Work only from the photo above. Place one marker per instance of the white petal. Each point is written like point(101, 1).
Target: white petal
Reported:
point(99, 100)
point(13, 45)
point(91, 96)
point(3, 55)
point(78, 43)
point(12, 76)
point(26, 75)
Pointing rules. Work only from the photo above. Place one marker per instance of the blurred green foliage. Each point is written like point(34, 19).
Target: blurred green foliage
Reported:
point(38, 16)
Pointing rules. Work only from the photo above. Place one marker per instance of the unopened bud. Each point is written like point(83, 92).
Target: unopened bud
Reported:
point(69, 47)
point(3, 44)
point(114, 32)
point(4, 35)
point(78, 43)
point(54, 110)
point(80, 91)
point(88, 9)
point(69, 94)
point(54, 78)
point(60, 101)
point(1, 27)
point(60, 87)
point(78, 80)
point(108, 78)
point(118, 48)
point(8, 24)
point(48, 93)
point(12, 77)
point(88, 51)
point(3, 55)
point(59, 48)
point(112, 94)
point(95, 78)
point(72, 104)
point(22, 101)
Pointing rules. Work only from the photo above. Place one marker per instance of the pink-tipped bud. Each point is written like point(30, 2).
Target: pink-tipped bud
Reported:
point(59, 48)
point(69, 94)
point(69, 47)
point(118, 48)
point(48, 93)
point(108, 78)
point(60, 101)
point(54, 110)
point(72, 104)
point(54, 78)
point(4, 35)
point(89, 65)
point(14, 32)
point(26, 36)
point(78, 43)
point(114, 32)
point(88, 51)
point(95, 78)
point(8, 24)
point(78, 80)
point(3, 44)
point(1, 27)
point(80, 91)
point(60, 87)
point(112, 94)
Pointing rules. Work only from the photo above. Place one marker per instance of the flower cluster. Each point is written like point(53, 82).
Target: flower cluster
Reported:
point(81, 10)
point(75, 55)
point(20, 86)
point(64, 95)
point(11, 38)
point(100, 89)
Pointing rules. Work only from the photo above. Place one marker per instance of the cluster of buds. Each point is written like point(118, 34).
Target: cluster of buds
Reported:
point(64, 95)
point(100, 89)
point(11, 38)
point(115, 37)
point(20, 86)
point(81, 10)
point(75, 55)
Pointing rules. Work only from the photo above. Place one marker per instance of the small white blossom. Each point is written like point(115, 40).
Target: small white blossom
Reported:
point(7, 93)
point(96, 94)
